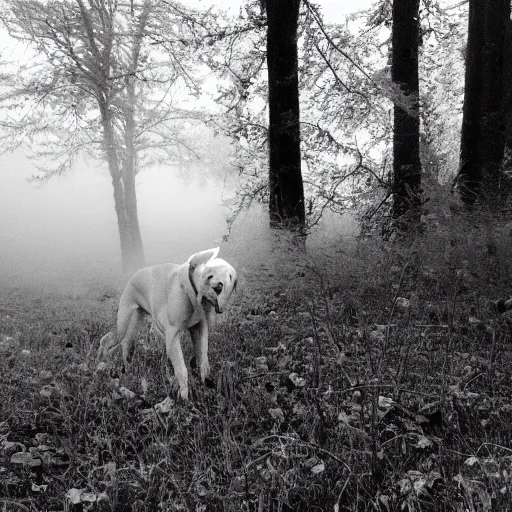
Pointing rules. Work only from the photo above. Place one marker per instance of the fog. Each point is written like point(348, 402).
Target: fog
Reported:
point(63, 236)
point(64, 232)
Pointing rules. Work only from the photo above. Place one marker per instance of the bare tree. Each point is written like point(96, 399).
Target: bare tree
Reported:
point(96, 86)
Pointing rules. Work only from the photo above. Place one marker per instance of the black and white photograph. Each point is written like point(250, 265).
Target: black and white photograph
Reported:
point(255, 256)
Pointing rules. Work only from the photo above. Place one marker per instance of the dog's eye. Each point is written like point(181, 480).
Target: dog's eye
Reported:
point(209, 278)
point(218, 288)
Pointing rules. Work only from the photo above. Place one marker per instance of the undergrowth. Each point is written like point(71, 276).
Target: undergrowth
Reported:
point(375, 380)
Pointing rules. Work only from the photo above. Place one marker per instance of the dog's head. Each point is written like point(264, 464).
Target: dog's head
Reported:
point(214, 279)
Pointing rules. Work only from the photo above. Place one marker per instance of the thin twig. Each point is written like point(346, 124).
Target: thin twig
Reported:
point(335, 46)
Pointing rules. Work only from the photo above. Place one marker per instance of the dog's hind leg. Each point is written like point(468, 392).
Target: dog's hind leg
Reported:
point(129, 318)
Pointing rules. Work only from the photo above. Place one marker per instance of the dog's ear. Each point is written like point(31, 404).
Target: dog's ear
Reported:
point(199, 258)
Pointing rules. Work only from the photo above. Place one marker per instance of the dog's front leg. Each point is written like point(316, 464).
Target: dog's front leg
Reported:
point(175, 354)
point(199, 334)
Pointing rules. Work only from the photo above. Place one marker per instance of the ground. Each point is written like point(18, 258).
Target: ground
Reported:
point(382, 386)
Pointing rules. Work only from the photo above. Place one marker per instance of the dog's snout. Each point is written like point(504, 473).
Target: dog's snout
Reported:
point(218, 288)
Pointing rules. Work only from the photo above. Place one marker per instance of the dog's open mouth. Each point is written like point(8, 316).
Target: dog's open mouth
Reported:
point(214, 303)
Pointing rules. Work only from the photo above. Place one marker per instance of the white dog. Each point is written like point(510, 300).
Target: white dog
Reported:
point(177, 297)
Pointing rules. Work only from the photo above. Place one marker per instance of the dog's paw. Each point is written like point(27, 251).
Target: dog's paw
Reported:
point(183, 394)
point(204, 370)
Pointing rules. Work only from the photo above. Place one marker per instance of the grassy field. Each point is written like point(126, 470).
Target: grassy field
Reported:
point(376, 381)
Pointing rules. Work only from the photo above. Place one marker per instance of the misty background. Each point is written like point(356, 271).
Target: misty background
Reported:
point(63, 234)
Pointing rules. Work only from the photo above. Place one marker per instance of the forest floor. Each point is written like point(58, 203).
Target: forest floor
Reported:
point(381, 382)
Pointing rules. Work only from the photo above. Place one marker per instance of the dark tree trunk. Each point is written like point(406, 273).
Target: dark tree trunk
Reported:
point(483, 122)
point(406, 134)
point(470, 170)
point(507, 92)
point(286, 200)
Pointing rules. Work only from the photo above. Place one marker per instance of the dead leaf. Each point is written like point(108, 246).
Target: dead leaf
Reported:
point(48, 391)
point(88, 497)
point(377, 336)
point(73, 495)
point(423, 442)
point(343, 417)
point(45, 376)
point(318, 468)
point(10, 446)
point(277, 414)
point(25, 458)
point(165, 405)
point(385, 402)
point(126, 393)
point(297, 381)
point(39, 488)
point(102, 366)
point(403, 303)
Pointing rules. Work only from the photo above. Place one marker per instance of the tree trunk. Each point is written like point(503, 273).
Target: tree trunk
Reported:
point(483, 122)
point(507, 92)
point(129, 172)
point(286, 200)
point(124, 200)
point(406, 134)
point(129, 266)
